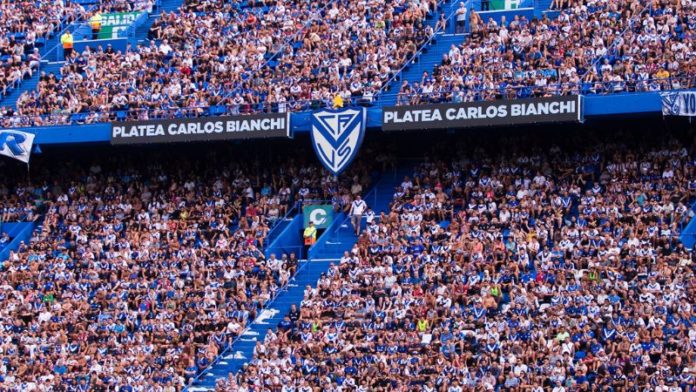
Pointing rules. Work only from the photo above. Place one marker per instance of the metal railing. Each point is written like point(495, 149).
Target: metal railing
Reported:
point(470, 94)
point(553, 89)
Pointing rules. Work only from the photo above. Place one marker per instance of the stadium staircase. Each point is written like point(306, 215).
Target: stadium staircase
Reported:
point(242, 349)
point(48, 66)
point(19, 232)
point(165, 6)
point(341, 236)
point(31, 83)
point(430, 55)
point(330, 247)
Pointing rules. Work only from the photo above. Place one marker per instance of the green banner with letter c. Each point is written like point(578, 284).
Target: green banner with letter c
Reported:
point(320, 214)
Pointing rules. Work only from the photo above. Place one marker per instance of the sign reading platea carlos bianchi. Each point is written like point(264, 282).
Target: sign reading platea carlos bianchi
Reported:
point(253, 126)
point(481, 114)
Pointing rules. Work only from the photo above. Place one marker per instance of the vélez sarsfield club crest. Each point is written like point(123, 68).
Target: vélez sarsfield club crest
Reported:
point(337, 135)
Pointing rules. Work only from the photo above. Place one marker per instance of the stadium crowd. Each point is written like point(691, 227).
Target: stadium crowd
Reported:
point(26, 26)
point(227, 57)
point(231, 57)
point(550, 266)
point(144, 269)
point(605, 46)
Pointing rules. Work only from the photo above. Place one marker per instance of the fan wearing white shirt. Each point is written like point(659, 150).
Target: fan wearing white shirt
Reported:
point(357, 207)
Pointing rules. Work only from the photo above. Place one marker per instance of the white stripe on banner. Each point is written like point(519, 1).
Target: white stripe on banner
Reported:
point(679, 103)
point(16, 144)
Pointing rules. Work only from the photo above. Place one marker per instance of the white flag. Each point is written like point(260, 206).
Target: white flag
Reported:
point(16, 144)
point(679, 103)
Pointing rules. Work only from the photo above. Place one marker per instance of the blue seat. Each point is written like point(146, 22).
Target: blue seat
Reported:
point(217, 110)
point(121, 115)
point(78, 117)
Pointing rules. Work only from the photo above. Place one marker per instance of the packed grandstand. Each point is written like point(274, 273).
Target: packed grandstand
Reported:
point(231, 57)
point(554, 257)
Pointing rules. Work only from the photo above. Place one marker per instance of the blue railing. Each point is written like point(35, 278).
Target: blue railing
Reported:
point(474, 94)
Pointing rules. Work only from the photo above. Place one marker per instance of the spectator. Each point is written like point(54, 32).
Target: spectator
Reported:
point(461, 18)
point(357, 208)
point(67, 41)
point(95, 22)
point(506, 264)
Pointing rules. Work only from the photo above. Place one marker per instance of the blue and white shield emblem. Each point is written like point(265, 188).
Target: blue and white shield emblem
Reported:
point(337, 135)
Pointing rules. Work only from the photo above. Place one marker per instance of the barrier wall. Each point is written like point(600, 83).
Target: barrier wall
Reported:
point(119, 44)
point(288, 240)
point(509, 15)
point(594, 106)
point(338, 220)
point(19, 232)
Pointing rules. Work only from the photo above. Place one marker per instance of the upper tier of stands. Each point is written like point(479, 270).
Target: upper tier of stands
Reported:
point(591, 47)
point(229, 57)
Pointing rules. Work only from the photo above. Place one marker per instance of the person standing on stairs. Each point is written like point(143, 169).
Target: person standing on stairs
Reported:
point(67, 41)
point(310, 236)
point(357, 207)
point(460, 26)
point(95, 22)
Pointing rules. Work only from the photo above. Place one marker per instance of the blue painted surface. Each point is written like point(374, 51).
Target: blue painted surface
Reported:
point(429, 58)
point(289, 238)
point(688, 234)
point(242, 350)
point(72, 133)
point(628, 103)
point(19, 232)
